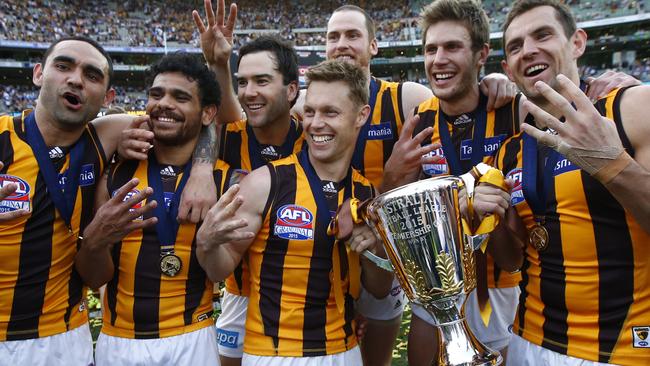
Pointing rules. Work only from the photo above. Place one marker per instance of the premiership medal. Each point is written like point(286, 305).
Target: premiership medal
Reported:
point(538, 237)
point(170, 264)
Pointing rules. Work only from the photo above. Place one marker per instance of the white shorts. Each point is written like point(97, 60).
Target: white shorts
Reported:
point(194, 348)
point(523, 353)
point(74, 347)
point(348, 358)
point(388, 308)
point(504, 306)
point(231, 325)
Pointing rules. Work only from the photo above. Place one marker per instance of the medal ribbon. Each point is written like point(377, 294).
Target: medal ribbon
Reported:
point(255, 150)
point(167, 225)
point(64, 197)
point(360, 147)
point(323, 211)
point(536, 189)
point(478, 138)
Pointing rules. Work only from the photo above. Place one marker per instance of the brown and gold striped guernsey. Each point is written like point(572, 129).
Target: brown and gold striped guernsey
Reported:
point(587, 294)
point(239, 148)
point(501, 123)
point(292, 309)
point(41, 294)
point(140, 302)
point(381, 131)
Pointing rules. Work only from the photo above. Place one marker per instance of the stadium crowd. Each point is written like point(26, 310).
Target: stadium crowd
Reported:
point(154, 23)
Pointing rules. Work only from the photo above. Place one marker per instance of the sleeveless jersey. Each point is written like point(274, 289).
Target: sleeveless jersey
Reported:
point(587, 294)
point(41, 294)
point(140, 302)
point(501, 123)
point(292, 309)
point(240, 149)
point(380, 132)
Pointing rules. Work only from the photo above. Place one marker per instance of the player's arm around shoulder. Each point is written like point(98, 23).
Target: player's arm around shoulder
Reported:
point(413, 94)
point(635, 178)
point(231, 224)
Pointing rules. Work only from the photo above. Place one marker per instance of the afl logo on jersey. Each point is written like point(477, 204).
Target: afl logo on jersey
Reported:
point(517, 192)
point(132, 193)
point(19, 200)
point(294, 223)
point(439, 167)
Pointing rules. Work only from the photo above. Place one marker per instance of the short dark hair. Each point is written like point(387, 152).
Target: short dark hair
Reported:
point(193, 67)
point(91, 42)
point(284, 55)
point(370, 24)
point(562, 14)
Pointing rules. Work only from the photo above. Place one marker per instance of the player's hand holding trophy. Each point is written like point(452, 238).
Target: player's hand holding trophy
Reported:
point(420, 225)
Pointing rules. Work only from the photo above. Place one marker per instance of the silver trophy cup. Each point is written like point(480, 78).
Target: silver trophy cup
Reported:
point(420, 224)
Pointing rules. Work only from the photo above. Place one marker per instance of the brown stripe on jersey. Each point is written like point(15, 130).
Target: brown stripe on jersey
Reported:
point(388, 115)
point(146, 286)
point(111, 286)
point(232, 149)
point(503, 121)
point(616, 111)
point(222, 141)
point(400, 109)
point(427, 119)
point(6, 151)
point(75, 288)
point(553, 275)
point(615, 255)
point(361, 191)
point(118, 175)
point(318, 287)
point(195, 284)
point(34, 267)
point(271, 269)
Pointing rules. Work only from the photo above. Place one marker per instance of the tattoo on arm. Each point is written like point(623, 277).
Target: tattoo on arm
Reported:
point(207, 146)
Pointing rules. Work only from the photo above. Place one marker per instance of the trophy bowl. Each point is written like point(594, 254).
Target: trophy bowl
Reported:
point(420, 225)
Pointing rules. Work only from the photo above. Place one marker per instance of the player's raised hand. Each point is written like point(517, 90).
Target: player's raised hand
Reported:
point(586, 138)
point(221, 225)
point(120, 215)
point(408, 155)
point(136, 139)
point(217, 36)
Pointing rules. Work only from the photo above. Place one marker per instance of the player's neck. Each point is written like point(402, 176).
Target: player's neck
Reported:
point(274, 133)
point(176, 155)
point(334, 170)
point(463, 104)
point(55, 133)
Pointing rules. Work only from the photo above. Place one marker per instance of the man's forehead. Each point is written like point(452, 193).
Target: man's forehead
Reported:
point(532, 20)
point(447, 31)
point(82, 52)
point(345, 20)
point(326, 93)
point(175, 81)
point(257, 63)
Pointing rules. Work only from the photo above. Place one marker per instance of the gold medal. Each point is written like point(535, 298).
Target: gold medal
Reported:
point(538, 237)
point(170, 264)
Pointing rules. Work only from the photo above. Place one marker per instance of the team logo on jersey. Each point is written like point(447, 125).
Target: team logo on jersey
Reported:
point(132, 193)
point(168, 197)
point(226, 338)
point(437, 168)
point(87, 175)
point(19, 200)
point(381, 131)
point(395, 290)
point(564, 166)
point(517, 192)
point(640, 337)
point(294, 223)
point(490, 147)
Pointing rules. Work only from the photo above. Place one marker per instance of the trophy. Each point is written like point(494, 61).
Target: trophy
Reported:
point(420, 225)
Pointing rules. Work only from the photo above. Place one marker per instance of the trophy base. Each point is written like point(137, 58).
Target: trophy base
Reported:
point(459, 347)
